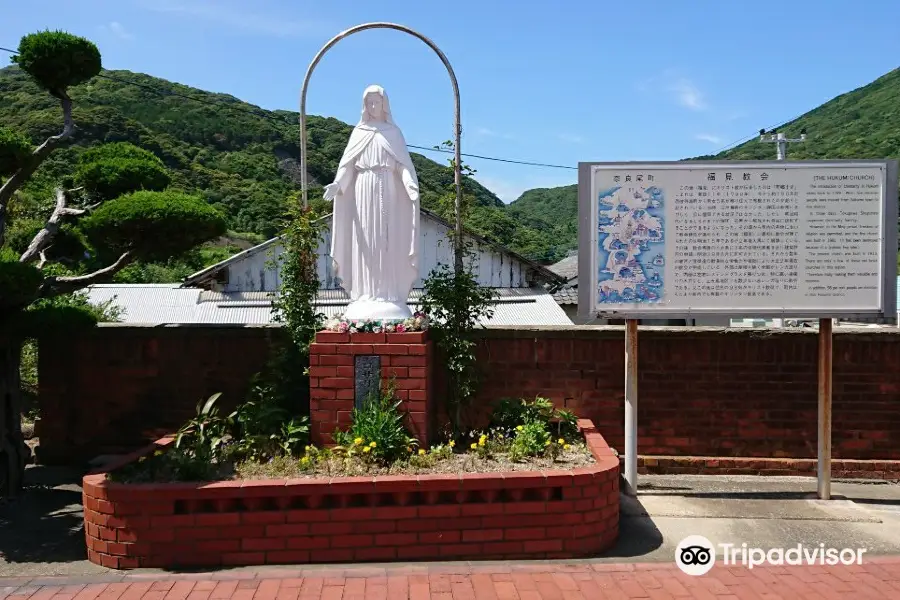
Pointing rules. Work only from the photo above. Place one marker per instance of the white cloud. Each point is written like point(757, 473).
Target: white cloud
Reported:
point(235, 17)
point(572, 139)
point(708, 137)
point(118, 30)
point(485, 132)
point(687, 94)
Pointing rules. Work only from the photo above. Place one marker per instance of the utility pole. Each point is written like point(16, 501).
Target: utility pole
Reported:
point(823, 467)
point(780, 140)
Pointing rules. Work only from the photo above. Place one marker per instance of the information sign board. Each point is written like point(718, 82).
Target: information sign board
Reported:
point(737, 238)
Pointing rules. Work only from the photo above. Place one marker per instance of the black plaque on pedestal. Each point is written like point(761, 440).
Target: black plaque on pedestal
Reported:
point(367, 373)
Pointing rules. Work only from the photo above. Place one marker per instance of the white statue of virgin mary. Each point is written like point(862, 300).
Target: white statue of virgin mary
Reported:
point(375, 231)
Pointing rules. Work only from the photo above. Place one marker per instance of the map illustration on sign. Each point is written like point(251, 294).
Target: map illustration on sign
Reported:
point(631, 248)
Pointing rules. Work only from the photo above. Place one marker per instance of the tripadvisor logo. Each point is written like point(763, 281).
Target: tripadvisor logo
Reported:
point(695, 555)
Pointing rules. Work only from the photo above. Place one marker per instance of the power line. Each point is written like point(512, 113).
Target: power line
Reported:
point(273, 118)
point(750, 137)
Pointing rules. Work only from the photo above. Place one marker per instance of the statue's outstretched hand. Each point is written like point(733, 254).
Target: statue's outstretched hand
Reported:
point(413, 191)
point(331, 190)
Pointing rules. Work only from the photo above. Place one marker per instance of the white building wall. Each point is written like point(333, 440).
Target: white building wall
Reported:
point(258, 272)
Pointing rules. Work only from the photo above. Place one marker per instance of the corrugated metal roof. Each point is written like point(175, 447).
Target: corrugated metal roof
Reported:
point(165, 303)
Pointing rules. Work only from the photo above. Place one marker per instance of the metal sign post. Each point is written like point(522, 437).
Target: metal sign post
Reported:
point(631, 405)
point(825, 356)
point(825, 360)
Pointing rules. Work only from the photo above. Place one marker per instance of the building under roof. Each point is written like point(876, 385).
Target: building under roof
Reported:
point(240, 289)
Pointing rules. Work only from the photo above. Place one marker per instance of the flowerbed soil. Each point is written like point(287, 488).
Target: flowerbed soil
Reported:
point(287, 467)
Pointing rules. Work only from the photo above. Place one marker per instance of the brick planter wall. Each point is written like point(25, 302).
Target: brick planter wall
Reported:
point(527, 515)
point(406, 359)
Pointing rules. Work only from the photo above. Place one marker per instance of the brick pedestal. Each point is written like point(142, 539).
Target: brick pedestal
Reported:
point(406, 358)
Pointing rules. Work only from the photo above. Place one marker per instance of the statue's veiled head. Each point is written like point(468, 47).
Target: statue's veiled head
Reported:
point(376, 107)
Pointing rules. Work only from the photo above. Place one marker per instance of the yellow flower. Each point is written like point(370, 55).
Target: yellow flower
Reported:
point(561, 441)
point(304, 460)
point(474, 446)
point(481, 442)
point(519, 428)
point(547, 443)
point(452, 443)
point(421, 452)
point(372, 445)
point(566, 447)
point(358, 441)
point(366, 449)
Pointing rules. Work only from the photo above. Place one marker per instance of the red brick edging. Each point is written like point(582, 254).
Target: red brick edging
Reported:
point(528, 515)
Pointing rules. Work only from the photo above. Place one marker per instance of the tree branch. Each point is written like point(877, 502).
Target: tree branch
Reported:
point(56, 286)
point(51, 228)
point(19, 178)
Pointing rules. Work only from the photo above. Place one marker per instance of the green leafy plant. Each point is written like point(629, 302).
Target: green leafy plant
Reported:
point(57, 60)
point(110, 170)
point(265, 430)
point(15, 149)
point(566, 424)
point(378, 430)
point(295, 304)
point(456, 304)
point(531, 439)
point(153, 225)
point(206, 435)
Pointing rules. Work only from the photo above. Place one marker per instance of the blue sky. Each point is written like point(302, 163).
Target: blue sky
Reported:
point(639, 80)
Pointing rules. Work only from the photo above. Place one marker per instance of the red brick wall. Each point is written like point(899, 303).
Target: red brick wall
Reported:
point(702, 391)
point(711, 392)
point(119, 387)
point(527, 515)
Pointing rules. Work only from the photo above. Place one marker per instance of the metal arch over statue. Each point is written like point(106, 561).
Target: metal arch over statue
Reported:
point(376, 199)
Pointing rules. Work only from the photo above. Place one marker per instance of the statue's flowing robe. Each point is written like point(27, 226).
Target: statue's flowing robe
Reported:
point(375, 231)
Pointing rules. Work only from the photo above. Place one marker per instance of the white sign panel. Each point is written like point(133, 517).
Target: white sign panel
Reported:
point(745, 239)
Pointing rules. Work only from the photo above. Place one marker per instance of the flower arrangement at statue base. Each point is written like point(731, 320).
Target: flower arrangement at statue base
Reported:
point(417, 322)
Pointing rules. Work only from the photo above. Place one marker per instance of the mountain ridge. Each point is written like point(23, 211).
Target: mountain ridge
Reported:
point(238, 156)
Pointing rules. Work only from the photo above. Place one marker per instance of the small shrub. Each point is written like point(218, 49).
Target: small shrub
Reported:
point(378, 430)
point(531, 439)
point(110, 170)
point(19, 282)
point(15, 149)
point(153, 225)
point(566, 424)
point(206, 435)
point(512, 412)
point(57, 60)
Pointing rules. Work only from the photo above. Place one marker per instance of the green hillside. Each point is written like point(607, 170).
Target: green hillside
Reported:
point(553, 210)
point(864, 123)
point(239, 157)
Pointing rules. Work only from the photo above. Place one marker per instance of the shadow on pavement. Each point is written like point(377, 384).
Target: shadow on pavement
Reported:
point(638, 535)
point(44, 525)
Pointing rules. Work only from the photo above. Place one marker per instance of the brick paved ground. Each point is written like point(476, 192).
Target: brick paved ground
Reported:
point(878, 578)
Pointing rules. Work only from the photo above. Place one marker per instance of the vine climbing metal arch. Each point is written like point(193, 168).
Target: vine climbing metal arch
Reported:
point(457, 174)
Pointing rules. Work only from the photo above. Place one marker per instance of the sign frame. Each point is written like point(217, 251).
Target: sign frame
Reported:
point(588, 238)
